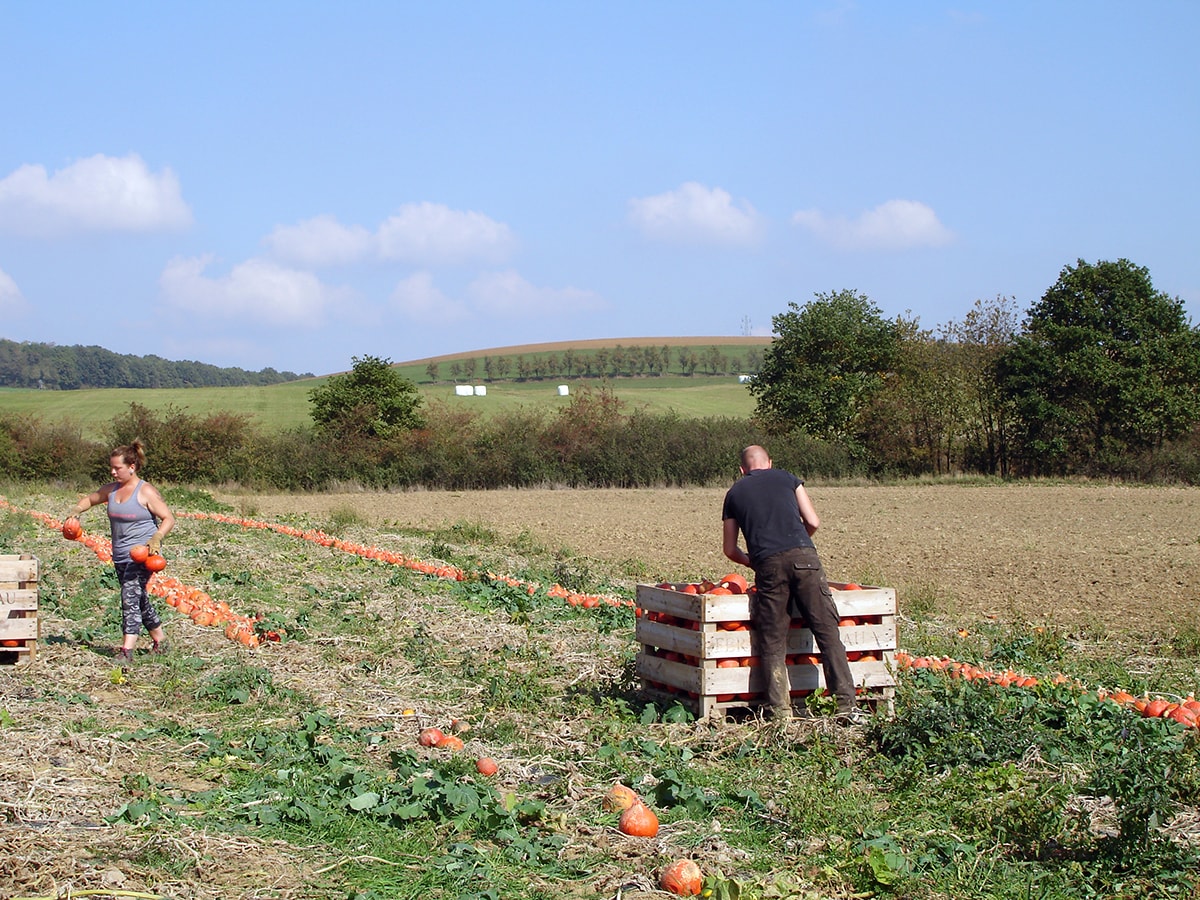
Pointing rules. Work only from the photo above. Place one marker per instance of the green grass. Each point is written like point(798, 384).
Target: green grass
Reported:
point(282, 406)
point(274, 407)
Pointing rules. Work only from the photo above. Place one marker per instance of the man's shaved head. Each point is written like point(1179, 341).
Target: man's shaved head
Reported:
point(755, 457)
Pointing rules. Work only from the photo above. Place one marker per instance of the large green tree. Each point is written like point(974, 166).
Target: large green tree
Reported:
point(371, 400)
point(828, 361)
point(1107, 367)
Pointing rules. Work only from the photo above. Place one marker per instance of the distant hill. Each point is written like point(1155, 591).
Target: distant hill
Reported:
point(638, 357)
point(592, 344)
point(28, 364)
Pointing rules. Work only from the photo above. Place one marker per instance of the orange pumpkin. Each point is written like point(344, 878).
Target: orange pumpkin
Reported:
point(429, 737)
point(155, 562)
point(72, 530)
point(639, 821)
point(1155, 708)
point(140, 553)
point(682, 878)
point(486, 766)
point(619, 798)
point(735, 583)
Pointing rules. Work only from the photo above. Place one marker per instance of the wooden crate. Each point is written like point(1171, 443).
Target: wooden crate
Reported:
point(685, 638)
point(18, 608)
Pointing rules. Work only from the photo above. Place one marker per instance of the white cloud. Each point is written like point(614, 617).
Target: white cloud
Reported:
point(417, 298)
point(432, 234)
point(255, 289)
point(320, 241)
point(100, 193)
point(894, 225)
point(508, 294)
point(695, 213)
point(11, 298)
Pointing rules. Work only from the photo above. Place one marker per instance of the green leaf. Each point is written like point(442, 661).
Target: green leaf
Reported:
point(365, 800)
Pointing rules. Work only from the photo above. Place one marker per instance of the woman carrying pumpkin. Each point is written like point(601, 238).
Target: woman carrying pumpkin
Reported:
point(137, 517)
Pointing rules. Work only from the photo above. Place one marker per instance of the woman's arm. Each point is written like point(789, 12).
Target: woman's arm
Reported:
point(166, 519)
point(95, 498)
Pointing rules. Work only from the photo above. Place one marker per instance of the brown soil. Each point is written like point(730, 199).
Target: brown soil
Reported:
point(1099, 557)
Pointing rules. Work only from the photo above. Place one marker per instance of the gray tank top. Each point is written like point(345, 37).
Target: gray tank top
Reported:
point(130, 523)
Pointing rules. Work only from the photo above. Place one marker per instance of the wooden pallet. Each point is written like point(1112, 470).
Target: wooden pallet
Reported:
point(690, 640)
point(19, 624)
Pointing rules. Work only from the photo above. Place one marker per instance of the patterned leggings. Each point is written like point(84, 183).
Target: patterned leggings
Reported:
point(136, 609)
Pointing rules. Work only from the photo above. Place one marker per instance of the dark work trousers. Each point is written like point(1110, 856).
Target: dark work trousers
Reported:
point(793, 583)
point(136, 608)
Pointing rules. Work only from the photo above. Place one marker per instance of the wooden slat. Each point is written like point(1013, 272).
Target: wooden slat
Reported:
point(16, 572)
point(713, 643)
point(708, 678)
point(17, 600)
point(879, 699)
point(19, 629)
point(870, 601)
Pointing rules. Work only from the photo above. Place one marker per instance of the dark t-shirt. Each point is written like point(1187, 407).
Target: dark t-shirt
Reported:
point(763, 503)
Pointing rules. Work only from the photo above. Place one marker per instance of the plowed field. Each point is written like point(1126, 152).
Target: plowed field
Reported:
point(1095, 557)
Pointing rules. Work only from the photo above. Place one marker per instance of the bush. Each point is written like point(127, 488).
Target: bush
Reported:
point(182, 447)
point(31, 449)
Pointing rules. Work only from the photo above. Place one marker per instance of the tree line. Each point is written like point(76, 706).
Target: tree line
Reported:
point(605, 362)
point(28, 364)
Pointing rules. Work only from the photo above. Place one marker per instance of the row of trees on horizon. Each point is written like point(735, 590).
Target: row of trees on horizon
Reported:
point(605, 362)
point(30, 364)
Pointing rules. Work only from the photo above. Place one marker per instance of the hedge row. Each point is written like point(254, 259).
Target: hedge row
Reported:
point(592, 443)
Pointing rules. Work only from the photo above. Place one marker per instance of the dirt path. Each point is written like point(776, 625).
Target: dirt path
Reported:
point(1094, 557)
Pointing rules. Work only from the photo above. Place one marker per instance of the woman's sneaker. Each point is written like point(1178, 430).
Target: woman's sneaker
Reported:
point(123, 656)
point(158, 648)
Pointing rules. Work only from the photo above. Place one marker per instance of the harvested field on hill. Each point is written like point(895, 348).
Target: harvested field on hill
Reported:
point(598, 344)
point(1089, 557)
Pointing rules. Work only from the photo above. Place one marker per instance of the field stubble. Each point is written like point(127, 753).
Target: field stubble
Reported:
point(1087, 557)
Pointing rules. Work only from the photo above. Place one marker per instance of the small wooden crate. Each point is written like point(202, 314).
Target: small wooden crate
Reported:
point(18, 608)
point(685, 638)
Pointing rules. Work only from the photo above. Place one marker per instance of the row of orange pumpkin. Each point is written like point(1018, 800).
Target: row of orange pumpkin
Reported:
point(391, 557)
point(1185, 711)
point(193, 602)
point(204, 610)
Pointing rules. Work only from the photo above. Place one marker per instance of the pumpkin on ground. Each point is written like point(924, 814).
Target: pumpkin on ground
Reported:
point(638, 821)
point(619, 798)
point(682, 878)
point(429, 737)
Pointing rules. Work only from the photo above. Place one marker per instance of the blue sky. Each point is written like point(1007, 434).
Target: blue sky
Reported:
point(293, 184)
